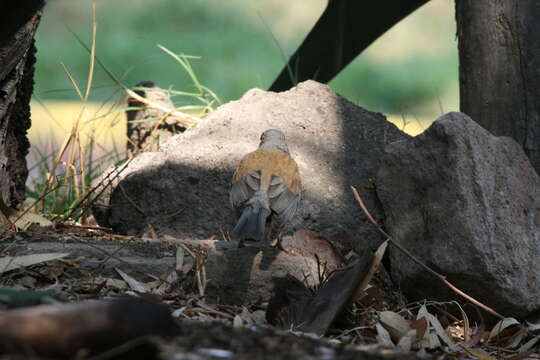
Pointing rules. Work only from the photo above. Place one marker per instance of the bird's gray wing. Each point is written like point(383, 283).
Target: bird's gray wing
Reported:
point(282, 200)
point(242, 190)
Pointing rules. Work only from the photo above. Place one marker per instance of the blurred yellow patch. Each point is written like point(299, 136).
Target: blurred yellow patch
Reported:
point(412, 126)
point(106, 123)
point(53, 120)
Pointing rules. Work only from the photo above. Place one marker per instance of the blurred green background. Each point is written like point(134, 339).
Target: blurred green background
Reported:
point(410, 74)
point(411, 71)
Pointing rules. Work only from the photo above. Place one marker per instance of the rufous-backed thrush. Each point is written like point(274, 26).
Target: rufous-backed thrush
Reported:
point(266, 185)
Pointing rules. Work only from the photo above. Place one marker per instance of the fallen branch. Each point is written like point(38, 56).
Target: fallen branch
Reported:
point(417, 261)
point(62, 330)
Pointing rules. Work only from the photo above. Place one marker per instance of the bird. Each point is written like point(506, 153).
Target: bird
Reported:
point(265, 186)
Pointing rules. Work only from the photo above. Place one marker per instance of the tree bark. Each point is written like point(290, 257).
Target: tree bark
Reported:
point(344, 30)
point(499, 68)
point(147, 127)
point(18, 25)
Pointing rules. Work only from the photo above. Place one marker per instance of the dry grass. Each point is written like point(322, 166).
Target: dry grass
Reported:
point(62, 179)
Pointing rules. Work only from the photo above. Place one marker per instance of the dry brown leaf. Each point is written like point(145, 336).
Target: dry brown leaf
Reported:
point(154, 284)
point(187, 268)
point(440, 330)
point(529, 344)
point(425, 341)
point(373, 267)
point(179, 312)
point(477, 335)
point(153, 233)
point(8, 263)
point(420, 326)
point(28, 219)
point(52, 272)
point(258, 317)
point(27, 281)
point(406, 341)
point(517, 338)
point(165, 286)
point(466, 322)
point(456, 332)
point(383, 336)
point(116, 283)
point(135, 285)
point(396, 324)
point(422, 312)
point(524, 356)
point(533, 327)
point(246, 316)
point(237, 321)
point(372, 298)
point(433, 340)
point(502, 325)
point(480, 354)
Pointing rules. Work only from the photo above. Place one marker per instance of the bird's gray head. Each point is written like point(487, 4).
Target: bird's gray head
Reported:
point(273, 139)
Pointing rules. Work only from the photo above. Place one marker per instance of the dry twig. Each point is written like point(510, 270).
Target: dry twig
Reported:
point(184, 118)
point(115, 174)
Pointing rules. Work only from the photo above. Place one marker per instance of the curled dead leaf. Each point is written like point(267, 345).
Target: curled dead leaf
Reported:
point(396, 324)
point(383, 336)
point(134, 284)
point(420, 326)
point(501, 326)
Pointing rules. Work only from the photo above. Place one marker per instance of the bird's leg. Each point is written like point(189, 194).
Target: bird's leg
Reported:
point(267, 240)
point(275, 237)
point(248, 243)
point(277, 242)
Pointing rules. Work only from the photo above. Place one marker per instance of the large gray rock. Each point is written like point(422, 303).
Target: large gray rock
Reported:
point(182, 190)
point(467, 204)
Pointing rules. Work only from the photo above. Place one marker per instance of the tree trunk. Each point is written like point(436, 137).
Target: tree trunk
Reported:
point(344, 30)
point(18, 25)
point(499, 68)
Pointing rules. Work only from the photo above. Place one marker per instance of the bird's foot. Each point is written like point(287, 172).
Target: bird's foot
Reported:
point(249, 243)
point(277, 243)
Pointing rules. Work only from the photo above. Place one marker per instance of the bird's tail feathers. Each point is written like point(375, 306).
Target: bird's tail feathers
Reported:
point(252, 222)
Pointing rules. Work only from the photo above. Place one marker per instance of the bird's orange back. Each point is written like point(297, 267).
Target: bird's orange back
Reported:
point(270, 162)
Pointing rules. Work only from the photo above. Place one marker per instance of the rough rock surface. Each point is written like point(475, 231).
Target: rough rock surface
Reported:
point(182, 190)
point(467, 203)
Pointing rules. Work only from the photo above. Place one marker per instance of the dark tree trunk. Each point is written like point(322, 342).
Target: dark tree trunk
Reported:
point(18, 25)
point(344, 30)
point(499, 68)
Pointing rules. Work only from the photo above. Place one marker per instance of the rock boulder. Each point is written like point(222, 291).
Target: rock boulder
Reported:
point(466, 203)
point(182, 190)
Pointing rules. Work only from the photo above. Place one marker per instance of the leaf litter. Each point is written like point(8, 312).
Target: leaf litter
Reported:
point(376, 315)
